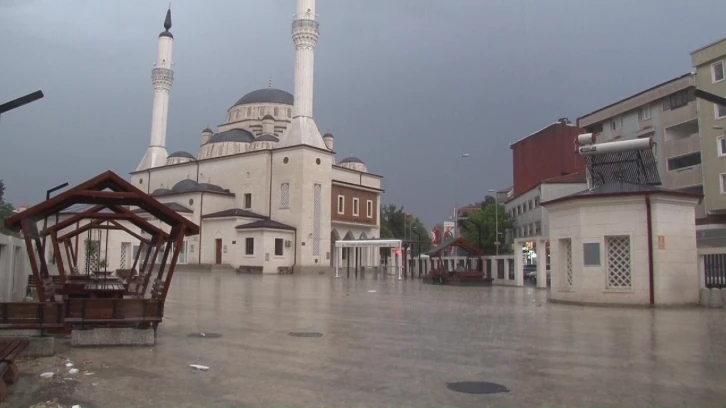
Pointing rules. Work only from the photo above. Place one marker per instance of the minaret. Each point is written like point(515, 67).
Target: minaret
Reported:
point(162, 77)
point(302, 129)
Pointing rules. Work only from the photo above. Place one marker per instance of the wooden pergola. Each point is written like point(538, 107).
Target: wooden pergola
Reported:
point(111, 198)
point(468, 275)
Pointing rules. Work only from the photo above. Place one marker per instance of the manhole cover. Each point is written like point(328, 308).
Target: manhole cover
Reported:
point(305, 334)
point(205, 335)
point(477, 387)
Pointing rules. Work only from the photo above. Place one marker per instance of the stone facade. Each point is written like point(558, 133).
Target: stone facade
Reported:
point(599, 250)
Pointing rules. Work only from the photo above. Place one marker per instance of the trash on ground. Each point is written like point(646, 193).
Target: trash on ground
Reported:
point(371, 291)
point(73, 371)
point(69, 365)
point(88, 373)
point(76, 406)
point(47, 375)
point(199, 367)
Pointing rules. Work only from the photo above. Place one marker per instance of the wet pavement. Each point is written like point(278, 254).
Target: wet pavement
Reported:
point(391, 343)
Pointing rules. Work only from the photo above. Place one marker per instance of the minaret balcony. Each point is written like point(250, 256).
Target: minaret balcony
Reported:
point(162, 76)
point(305, 25)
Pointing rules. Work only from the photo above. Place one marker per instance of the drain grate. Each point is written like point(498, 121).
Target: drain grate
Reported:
point(205, 335)
point(305, 334)
point(477, 387)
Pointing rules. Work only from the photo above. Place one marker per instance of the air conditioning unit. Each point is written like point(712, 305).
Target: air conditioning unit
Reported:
point(288, 243)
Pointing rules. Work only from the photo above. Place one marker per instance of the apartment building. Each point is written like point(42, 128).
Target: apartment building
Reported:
point(668, 113)
point(710, 67)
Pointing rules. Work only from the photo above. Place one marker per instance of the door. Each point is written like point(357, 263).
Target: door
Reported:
point(218, 251)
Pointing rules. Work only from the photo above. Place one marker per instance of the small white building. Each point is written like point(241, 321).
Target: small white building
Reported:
point(600, 251)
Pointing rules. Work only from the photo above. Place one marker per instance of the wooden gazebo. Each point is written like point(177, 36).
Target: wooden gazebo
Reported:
point(471, 273)
point(111, 199)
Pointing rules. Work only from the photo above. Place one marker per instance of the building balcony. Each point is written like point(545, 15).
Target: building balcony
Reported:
point(679, 115)
point(683, 178)
point(683, 146)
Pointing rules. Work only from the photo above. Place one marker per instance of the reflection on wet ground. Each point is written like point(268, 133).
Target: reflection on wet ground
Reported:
point(386, 342)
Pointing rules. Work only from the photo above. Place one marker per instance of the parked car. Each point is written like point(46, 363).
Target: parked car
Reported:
point(530, 274)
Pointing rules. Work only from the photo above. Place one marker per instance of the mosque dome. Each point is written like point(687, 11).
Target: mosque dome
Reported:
point(161, 191)
point(232, 135)
point(180, 157)
point(267, 95)
point(265, 141)
point(207, 130)
point(183, 155)
point(189, 186)
point(353, 163)
point(329, 135)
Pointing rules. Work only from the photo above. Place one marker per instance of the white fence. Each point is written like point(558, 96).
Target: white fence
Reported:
point(14, 269)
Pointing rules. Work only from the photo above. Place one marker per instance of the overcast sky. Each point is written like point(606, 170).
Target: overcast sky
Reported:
point(406, 85)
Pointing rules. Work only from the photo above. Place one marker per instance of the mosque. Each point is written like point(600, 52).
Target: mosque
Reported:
point(265, 187)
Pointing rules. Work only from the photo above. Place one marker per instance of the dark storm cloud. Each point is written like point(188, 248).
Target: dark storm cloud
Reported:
point(406, 85)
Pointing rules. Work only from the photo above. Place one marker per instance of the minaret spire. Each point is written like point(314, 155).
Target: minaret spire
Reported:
point(303, 130)
point(162, 78)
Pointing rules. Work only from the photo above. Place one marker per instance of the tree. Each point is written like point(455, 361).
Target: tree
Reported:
point(397, 224)
point(6, 210)
point(480, 227)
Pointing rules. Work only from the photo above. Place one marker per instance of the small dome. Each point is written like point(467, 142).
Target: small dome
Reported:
point(184, 186)
point(267, 95)
point(351, 159)
point(182, 154)
point(268, 117)
point(210, 187)
point(267, 137)
point(233, 135)
point(328, 135)
point(166, 34)
point(161, 191)
point(207, 130)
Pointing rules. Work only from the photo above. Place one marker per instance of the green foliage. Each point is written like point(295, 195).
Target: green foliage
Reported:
point(397, 224)
point(480, 227)
point(6, 211)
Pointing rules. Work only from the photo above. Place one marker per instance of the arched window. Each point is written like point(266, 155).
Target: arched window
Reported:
point(289, 113)
point(249, 112)
point(285, 195)
point(277, 112)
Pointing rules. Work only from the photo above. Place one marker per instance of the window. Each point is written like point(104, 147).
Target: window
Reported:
point(644, 113)
point(719, 111)
point(723, 183)
point(678, 99)
point(684, 161)
point(722, 146)
point(285, 195)
point(616, 123)
point(536, 202)
point(289, 113)
point(248, 200)
point(249, 112)
point(717, 72)
point(566, 256)
point(341, 204)
point(355, 207)
point(277, 112)
point(529, 205)
point(249, 246)
point(279, 245)
point(369, 209)
point(618, 256)
point(537, 227)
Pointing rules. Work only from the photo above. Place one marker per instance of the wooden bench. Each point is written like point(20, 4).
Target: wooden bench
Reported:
point(254, 270)
point(31, 315)
point(10, 349)
point(113, 312)
point(284, 270)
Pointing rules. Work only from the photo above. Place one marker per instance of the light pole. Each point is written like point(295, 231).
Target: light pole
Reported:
point(23, 100)
point(456, 209)
point(496, 220)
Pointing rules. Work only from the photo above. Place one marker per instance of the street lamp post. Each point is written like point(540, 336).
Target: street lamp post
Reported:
point(496, 220)
point(456, 191)
point(23, 100)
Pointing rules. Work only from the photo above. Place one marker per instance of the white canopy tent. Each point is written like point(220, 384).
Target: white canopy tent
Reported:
point(370, 243)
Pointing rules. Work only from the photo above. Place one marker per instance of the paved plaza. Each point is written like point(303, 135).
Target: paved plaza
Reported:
point(391, 343)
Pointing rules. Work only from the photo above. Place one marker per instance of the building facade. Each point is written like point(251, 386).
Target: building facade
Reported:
point(545, 154)
point(667, 113)
point(709, 64)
